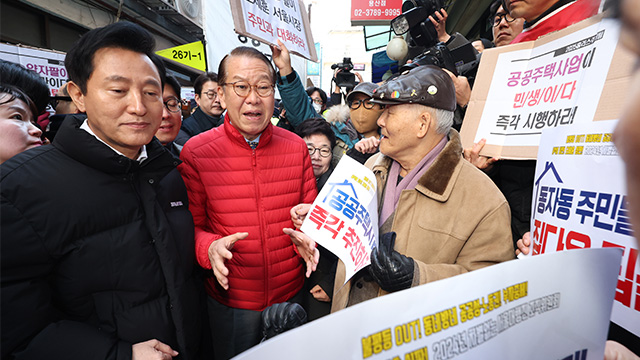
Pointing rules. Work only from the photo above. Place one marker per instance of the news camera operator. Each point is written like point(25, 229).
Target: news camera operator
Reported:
point(430, 44)
point(343, 78)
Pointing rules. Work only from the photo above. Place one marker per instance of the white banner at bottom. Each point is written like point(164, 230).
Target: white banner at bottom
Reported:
point(554, 306)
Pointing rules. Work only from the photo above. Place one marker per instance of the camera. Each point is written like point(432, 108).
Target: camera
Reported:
point(462, 60)
point(344, 78)
point(457, 55)
point(415, 20)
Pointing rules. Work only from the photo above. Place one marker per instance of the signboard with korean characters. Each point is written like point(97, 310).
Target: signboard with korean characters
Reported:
point(545, 307)
point(48, 64)
point(270, 20)
point(580, 201)
point(574, 76)
point(374, 12)
point(344, 216)
point(191, 54)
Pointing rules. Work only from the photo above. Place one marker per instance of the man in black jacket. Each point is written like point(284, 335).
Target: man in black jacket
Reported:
point(97, 252)
point(209, 112)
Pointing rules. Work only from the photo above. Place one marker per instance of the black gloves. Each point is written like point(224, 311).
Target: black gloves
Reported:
point(281, 317)
point(390, 269)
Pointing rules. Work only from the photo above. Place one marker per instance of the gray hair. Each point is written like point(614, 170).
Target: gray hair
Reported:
point(444, 118)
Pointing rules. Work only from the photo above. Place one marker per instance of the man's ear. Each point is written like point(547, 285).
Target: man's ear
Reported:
point(426, 121)
point(221, 97)
point(76, 95)
point(197, 99)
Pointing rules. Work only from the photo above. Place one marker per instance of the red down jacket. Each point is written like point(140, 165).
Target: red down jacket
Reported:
point(233, 188)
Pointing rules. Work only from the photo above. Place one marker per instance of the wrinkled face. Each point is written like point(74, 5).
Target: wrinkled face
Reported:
point(171, 121)
point(506, 31)
point(627, 131)
point(319, 144)
point(249, 114)
point(399, 127)
point(528, 9)
point(17, 131)
point(208, 101)
point(363, 119)
point(123, 100)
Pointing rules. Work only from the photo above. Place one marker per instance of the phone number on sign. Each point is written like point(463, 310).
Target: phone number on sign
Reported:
point(376, 12)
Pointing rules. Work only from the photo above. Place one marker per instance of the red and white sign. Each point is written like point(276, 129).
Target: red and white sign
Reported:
point(374, 12)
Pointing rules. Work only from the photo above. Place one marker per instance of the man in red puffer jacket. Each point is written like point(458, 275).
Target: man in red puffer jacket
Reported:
point(243, 178)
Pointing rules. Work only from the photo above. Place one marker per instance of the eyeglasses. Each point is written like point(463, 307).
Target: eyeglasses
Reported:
point(212, 95)
point(366, 103)
point(317, 101)
point(324, 152)
point(172, 104)
point(55, 100)
point(243, 88)
point(498, 19)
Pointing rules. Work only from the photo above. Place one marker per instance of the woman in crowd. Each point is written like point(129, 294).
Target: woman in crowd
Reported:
point(17, 129)
point(321, 140)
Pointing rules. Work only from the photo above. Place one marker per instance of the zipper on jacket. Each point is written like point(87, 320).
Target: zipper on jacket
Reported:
point(262, 227)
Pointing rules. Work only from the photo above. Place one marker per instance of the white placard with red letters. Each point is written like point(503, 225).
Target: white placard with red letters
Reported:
point(344, 216)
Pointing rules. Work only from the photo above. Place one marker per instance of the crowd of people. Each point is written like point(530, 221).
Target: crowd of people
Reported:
point(136, 234)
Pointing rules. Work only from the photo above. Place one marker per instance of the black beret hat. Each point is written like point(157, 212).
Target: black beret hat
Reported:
point(427, 85)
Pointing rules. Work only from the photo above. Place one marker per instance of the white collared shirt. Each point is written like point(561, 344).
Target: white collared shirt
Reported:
point(143, 151)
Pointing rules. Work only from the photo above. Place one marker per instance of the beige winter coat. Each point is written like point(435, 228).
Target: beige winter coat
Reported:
point(454, 221)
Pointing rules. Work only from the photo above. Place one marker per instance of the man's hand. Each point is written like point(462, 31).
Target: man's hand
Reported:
point(358, 76)
point(390, 269)
point(441, 24)
point(463, 89)
point(298, 213)
point(368, 145)
point(152, 350)
point(219, 251)
point(306, 248)
point(523, 244)
point(319, 294)
point(282, 59)
point(473, 156)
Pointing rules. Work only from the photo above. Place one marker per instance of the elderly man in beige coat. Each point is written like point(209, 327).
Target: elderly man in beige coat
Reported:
point(447, 216)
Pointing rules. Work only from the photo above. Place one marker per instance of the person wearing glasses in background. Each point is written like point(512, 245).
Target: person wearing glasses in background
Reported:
point(63, 105)
point(319, 99)
point(318, 288)
point(209, 112)
point(505, 28)
point(242, 178)
point(171, 116)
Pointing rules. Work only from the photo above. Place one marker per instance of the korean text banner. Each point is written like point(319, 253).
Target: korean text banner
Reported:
point(574, 76)
point(545, 307)
point(344, 216)
point(580, 201)
point(48, 64)
point(269, 20)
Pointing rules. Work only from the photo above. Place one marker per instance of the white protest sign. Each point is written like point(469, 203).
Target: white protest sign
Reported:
point(48, 64)
point(546, 307)
point(579, 201)
point(270, 20)
point(221, 39)
point(344, 216)
point(554, 81)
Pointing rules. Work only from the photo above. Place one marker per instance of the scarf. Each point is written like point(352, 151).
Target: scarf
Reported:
point(394, 188)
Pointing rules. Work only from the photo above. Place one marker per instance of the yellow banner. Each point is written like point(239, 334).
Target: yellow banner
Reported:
point(191, 54)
